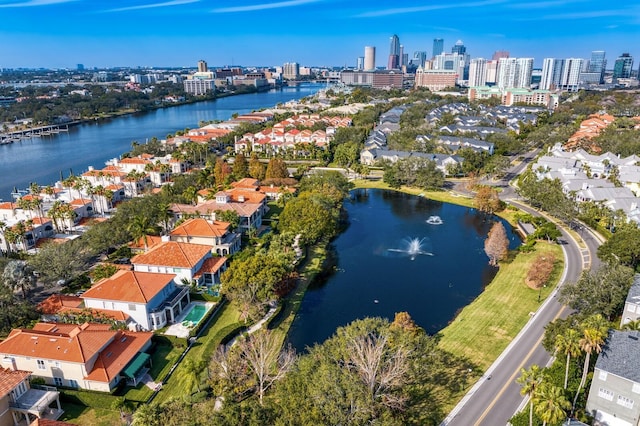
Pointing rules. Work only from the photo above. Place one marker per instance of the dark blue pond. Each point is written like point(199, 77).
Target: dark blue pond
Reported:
point(377, 274)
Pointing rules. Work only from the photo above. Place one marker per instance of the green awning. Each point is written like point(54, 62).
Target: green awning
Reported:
point(136, 364)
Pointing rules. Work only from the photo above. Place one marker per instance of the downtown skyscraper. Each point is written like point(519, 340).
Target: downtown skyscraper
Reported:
point(394, 53)
point(438, 46)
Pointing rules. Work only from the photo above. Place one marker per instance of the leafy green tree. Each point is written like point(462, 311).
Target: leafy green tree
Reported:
point(276, 169)
point(346, 154)
point(240, 167)
point(102, 271)
point(229, 216)
point(602, 291)
point(623, 246)
point(19, 275)
point(256, 168)
point(61, 262)
point(311, 215)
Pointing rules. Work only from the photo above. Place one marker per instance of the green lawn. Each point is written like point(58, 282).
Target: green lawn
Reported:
point(85, 416)
point(484, 328)
point(176, 387)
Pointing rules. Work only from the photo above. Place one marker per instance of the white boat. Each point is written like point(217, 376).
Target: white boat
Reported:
point(434, 220)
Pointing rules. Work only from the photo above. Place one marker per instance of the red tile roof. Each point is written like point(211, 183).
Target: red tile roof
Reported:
point(52, 304)
point(174, 254)
point(10, 379)
point(211, 266)
point(199, 227)
point(129, 286)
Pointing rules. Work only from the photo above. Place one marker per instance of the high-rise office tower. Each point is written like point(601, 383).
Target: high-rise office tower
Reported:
point(438, 46)
point(514, 73)
point(598, 63)
point(500, 54)
point(622, 67)
point(401, 61)
point(394, 53)
point(477, 72)
point(419, 58)
point(459, 48)
point(369, 58)
point(360, 65)
point(202, 66)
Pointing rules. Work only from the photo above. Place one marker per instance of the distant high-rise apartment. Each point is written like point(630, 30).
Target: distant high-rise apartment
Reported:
point(491, 73)
point(571, 74)
point(451, 62)
point(459, 48)
point(369, 58)
point(623, 66)
point(291, 71)
point(598, 63)
point(552, 69)
point(477, 72)
point(360, 65)
point(202, 66)
point(394, 53)
point(438, 46)
point(401, 57)
point(498, 54)
point(514, 73)
point(80, 67)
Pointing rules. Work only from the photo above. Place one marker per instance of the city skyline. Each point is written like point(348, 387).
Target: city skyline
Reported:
point(157, 33)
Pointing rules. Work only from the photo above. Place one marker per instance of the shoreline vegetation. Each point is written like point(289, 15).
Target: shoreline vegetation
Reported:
point(484, 328)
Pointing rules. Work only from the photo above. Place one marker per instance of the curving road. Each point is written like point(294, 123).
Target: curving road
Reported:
point(495, 398)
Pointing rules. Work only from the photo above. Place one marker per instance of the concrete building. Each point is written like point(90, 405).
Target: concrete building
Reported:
point(632, 303)
point(622, 67)
point(369, 58)
point(291, 71)
point(394, 53)
point(477, 72)
point(435, 80)
point(202, 66)
point(514, 73)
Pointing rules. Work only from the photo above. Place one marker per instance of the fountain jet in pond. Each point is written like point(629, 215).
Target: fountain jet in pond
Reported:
point(413, 248)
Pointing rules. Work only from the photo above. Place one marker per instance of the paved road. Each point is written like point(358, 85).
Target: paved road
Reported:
point(494, 399)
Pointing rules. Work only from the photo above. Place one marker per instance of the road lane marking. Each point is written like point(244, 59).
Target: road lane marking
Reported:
point(524, 361)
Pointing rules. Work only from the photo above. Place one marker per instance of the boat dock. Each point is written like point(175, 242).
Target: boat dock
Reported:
point(34, 132)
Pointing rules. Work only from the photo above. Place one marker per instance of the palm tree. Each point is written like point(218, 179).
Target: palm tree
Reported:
point(165, 215)
point(632, 326)
point(147, 415)
point(3, 229)
point(568, 344)
point(594, 331)
point(192, 372)
point(551, 403)
point(139, 228)
point(530, 380)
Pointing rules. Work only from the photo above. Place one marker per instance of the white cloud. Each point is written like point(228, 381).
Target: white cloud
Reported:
point(153, 5)
point(33, 3)
point(263, 6)
point(414, 9)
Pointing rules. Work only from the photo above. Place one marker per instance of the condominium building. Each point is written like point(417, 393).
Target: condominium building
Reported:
point(291, 71)
point(514, 73)
point(435, 79)
point(369, 58)
point(477, 72)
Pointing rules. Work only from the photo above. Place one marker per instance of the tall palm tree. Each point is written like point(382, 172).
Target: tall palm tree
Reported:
point(530, 380)
point(140, 228)
point(594, 332)
point(568, 344)
point(551, 403)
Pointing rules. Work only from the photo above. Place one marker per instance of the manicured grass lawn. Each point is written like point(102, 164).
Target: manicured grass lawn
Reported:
point(176, 387)
point(85, 416)
point(311, 266)
point(483, 329)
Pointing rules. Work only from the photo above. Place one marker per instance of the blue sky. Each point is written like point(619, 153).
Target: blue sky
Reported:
point(107, 33)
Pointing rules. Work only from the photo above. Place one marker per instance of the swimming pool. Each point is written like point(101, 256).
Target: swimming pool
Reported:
point(196, 313)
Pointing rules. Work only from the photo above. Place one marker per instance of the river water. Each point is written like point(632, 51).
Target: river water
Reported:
point(376, 275)
point(43, 159)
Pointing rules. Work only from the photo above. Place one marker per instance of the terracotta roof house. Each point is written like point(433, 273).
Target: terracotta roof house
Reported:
point(187, 261)
point(151, 299)
point(207, 232)
point(250, 211)
point(20, 403)
point(87, 356)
